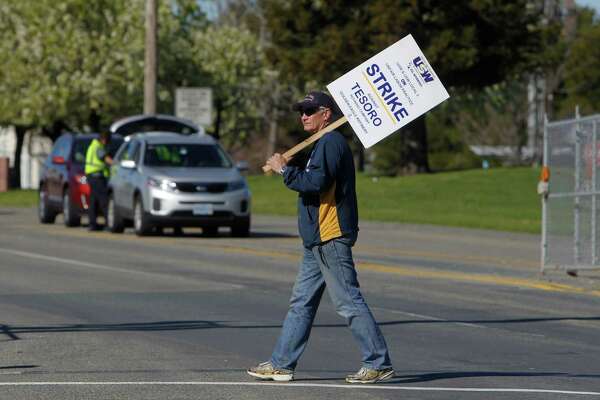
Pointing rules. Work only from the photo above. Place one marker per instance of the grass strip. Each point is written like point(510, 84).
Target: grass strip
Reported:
point(503, 199)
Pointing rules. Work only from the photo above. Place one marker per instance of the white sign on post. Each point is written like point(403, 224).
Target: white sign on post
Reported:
point(194, 104)
point(388, 91)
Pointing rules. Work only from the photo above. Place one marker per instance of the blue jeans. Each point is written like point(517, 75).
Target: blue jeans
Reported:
point(329, 265)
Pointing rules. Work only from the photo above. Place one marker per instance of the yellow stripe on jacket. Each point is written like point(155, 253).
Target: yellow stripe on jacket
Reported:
point(329, 225)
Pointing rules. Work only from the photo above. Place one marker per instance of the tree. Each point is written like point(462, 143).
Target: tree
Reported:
point(61, 63)
point(79, 64)
point(494, 116)
point(582, 68)
point(178, 24)
point(266, 93)
point(471, 44)
point(68, 60)
point(230, 56)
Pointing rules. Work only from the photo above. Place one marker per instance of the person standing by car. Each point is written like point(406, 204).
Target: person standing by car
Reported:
point(328, 225)
point(97, 172)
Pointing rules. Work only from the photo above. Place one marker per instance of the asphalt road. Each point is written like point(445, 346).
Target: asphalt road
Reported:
point(466, 315)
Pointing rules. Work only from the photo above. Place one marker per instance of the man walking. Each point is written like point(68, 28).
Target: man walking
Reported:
point(97, 172)
point(328, 225)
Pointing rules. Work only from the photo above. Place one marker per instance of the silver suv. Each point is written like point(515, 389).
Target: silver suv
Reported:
point(163, 179)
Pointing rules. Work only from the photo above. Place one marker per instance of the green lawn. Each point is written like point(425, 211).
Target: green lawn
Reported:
point(500, 199)
point(19, 198)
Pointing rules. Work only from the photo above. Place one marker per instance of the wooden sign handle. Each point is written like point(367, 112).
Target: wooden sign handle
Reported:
point(313, 138)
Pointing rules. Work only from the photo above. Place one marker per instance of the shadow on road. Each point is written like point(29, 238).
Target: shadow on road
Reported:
point(493, 321)
point(479, 374)
point(18, 367)
point(223, 235)
point(12, 332)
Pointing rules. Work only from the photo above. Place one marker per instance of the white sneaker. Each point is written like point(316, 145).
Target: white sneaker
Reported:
point(369, 375)
point(266, 371)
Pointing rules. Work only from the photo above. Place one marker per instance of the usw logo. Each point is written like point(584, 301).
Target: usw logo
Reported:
point(422, 67)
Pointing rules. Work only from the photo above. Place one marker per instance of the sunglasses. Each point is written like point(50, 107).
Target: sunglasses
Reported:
point(308, 111)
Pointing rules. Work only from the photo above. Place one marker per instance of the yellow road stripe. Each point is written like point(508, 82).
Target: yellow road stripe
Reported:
point(401, 270)
point(469, 239)
point(419, 272)
point(466, 259)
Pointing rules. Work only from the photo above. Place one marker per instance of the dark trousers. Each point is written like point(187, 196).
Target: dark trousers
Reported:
point(98, 198)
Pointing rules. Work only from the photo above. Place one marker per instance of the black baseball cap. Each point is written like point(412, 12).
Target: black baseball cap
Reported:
point(315, 99)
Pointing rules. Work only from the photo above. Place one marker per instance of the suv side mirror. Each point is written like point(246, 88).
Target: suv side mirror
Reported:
point(129, 164)
point(242, 165)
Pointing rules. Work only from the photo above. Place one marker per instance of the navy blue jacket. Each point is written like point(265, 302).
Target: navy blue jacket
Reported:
point(327, 207)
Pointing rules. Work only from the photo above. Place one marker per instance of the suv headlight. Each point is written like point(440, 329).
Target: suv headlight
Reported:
point(236, 185)
point(162, 184)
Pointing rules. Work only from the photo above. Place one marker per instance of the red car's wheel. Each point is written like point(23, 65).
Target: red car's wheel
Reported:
point(45, 214)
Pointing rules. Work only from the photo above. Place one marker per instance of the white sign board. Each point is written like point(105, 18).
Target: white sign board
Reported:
point(388, 91)
point(194, 104)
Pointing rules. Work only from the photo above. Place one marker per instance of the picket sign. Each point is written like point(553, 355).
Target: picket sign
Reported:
point(383, 94)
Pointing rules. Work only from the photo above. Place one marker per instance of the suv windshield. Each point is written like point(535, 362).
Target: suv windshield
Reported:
point(80, 148)
point(186, 155)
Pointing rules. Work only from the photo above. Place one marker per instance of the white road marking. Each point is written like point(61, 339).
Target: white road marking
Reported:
point(428, 317)
point(69, 261)
point(100, 266)
point(281, 385)
point(317, 385)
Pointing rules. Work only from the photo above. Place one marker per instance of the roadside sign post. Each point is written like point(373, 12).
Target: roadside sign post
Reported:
point(383, 94)
point(195, 104)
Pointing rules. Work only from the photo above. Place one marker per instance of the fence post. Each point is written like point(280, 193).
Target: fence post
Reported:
point(576, 208)
point(594, 188)
point(544, 198)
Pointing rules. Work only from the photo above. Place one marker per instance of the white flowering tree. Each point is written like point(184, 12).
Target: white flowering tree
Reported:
point(235, 62)
point(79, 63)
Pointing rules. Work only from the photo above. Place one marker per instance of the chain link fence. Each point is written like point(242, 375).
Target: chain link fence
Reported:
point(570, 230)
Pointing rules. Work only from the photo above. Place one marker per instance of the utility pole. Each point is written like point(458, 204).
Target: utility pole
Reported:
point(150, 64)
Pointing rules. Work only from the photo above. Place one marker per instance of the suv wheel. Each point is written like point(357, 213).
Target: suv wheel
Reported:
point(71, 217)
point(114, 221)
point(241, 228)
point(141, 223)
point(45, 214)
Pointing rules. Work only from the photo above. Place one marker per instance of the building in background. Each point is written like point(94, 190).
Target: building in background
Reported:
point(35, 150)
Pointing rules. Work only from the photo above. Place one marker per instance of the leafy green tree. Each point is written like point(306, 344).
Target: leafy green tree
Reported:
point(69, 60)
point(313, 42)
point(471, 44)
point(267, 95)
point(63, 63)
point(582, 68)
point(232, 59)
point(178, 25)
point(79, 64)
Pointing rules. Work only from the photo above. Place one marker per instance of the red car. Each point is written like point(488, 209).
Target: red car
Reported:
point(63, 186)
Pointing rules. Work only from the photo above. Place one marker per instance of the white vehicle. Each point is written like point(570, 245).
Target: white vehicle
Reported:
point(166, 179)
